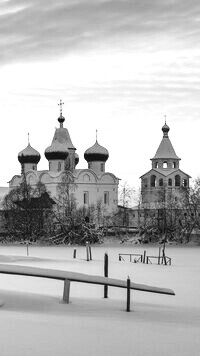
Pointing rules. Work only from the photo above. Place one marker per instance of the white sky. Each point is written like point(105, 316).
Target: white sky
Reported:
point(118, 65)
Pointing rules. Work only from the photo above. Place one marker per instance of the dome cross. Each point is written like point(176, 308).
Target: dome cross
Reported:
point(61, 104)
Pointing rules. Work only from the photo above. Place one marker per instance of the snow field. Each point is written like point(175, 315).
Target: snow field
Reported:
point(34, 321)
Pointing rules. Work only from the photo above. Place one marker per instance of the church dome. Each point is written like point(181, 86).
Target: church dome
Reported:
point(29, 155)
point(165, 129)
point(76, 158)
point(96, 153)
point(56, 151)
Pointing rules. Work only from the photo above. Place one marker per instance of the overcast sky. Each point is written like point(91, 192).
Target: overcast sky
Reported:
point(118, 65)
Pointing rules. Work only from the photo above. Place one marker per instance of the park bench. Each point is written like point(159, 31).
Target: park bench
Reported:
point(68, 277)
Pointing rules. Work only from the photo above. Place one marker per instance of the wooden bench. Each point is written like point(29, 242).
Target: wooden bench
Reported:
point(68, 277)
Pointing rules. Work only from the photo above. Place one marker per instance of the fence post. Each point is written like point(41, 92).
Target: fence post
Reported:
point(144, 256)
point(105, 274)
point(66, 291)
point(128, 300)
point(74, 254)
point(27, 251)
point(159, 255)
point(90, 253)
point(87, 251)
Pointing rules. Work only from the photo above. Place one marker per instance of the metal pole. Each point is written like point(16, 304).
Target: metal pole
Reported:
point(128, 300)
point(106, 274)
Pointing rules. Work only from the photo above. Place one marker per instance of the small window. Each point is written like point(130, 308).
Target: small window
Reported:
point(156, 164)
point(59, 166)
point(170, 182)
point(184, 182)
point(160, 182)
point(174, 164)
point(50, 165)
point(102, 167)
point(89, 165)
point(164, 164)
point(177, 181)
point(145, 182)
point(153, 181)
point(106, 198)
point(86, 197)
point(33, 167)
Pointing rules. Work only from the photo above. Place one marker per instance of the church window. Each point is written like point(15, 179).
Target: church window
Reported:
point(59, 166)
point(156, 164)
point(49, 165)
point(174, 164)
point(102, 167)
point(164, 164)
point(184, 182)
point(89, 165)
point(153, 181)
point(86, 197)
point(145, 182)
point(177, 181)
point(160, 182)
point(106, 198)
point(33, 167)
point(170, 182)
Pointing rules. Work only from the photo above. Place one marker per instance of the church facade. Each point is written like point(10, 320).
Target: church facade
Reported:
point(89, 185)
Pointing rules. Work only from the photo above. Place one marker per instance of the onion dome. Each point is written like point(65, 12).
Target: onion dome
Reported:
point(56, 151)
point(29, 155)
point(61, 119)
point(76, 158)
point(96, 153)
point(165, 130)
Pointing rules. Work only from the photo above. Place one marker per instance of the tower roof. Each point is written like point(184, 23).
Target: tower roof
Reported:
point(29, 155)
point(61, 142)
point(165, 149)
point(57, 150)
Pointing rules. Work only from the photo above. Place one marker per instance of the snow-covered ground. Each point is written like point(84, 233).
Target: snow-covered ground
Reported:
point(34, 321)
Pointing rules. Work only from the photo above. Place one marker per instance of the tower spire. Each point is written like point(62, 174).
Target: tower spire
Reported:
point(28, 138)
point(96, 135)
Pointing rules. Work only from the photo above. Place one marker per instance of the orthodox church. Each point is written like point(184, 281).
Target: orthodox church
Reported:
point(90, 185)
point(165, 177)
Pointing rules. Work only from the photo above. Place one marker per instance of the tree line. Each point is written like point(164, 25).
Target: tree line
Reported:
point(31, 214)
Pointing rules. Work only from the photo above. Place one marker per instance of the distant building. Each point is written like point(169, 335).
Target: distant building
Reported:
point(90, 185)
point(160, 186)
point(165, 177)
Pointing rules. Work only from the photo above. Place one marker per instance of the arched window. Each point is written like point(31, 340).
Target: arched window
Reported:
point(170, 182)
point(184, 182)
point(153, 181)
point(174, 164)
point(160, 182)
point(177, 181)
point(164, 164)
point(156, 165)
